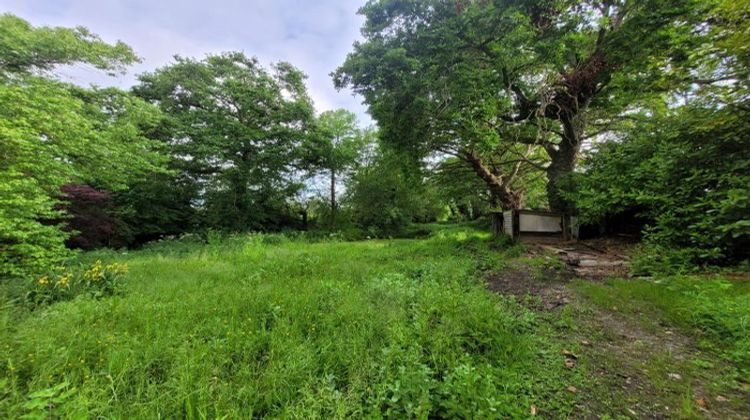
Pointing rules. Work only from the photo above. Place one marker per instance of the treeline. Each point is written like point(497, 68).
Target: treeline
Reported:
point(622, 111)
point(221, 143)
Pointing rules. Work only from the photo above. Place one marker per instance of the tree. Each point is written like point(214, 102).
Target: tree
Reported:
point(236, 131)
point(489, 81)
point(684, 167)
point(159, 206)
point(53, 134)
point(687, 174)
point(339, 149)
point(388, 191)
point(468, 197)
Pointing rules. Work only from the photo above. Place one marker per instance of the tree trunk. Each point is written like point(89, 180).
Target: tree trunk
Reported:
point(562, 163)
point(500, 191)
point(333, 198)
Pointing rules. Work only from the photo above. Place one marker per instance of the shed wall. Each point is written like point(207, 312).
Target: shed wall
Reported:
point(540, 224)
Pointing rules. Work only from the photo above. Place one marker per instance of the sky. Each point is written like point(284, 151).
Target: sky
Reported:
point(313, 35)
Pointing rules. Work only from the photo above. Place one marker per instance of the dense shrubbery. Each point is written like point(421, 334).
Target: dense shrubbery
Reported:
point(387, 195)
point(681, 160)
point(688, 175)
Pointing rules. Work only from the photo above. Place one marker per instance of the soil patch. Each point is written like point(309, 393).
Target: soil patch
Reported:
point(546, 284)
point(594, 259)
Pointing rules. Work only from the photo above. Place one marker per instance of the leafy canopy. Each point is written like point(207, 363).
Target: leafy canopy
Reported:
point(483, 80)
point(236, 130)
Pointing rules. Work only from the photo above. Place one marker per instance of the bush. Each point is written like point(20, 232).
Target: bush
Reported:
point(688, 175)
point(91, 218)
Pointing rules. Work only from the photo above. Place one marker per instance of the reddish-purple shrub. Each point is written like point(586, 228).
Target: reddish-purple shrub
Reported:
point(90, 217)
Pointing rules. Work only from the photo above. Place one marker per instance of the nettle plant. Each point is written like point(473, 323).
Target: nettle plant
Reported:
point(62, 284)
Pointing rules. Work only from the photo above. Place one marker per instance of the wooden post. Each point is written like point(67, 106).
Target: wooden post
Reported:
point(497, 224)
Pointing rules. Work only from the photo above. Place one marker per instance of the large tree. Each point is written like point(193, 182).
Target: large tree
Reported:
point(235, 130)
point(52, 134)
point(484, 79)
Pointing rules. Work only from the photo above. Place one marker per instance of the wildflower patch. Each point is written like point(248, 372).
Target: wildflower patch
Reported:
point(63, 283)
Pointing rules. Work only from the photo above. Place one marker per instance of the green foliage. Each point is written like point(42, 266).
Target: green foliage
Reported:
point(97, 281)
point(340, 140)
point(53, 134)
point(386, 195)
point(683, 164)
point(236, 133)
point(514, 87)
point(337, 151)
point(689, 174)
point(160, 206)
point(46, 402)
point(468, 198)
point(714, 309)
point(26, 244)
point(271, 326)
point(28, 49)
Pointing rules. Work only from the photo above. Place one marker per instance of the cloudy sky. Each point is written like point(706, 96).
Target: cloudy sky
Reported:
point(314, 35)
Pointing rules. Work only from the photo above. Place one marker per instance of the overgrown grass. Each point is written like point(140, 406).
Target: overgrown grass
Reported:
point(714, 309)
point(271, 326)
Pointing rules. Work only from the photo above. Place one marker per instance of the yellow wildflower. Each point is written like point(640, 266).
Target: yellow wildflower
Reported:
point(43, 281)
point(95, 272)
point(64, 280)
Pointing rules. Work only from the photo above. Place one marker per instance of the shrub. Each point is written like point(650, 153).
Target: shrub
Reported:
point(687, 176)
point(91, 218)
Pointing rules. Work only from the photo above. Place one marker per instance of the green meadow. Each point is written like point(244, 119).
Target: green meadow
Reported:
point(253, 326)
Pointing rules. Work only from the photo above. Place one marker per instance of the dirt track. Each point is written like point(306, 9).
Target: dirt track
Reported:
point(639, 369)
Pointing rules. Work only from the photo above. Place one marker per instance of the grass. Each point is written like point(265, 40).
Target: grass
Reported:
point(299, 326)
point(255, 325)
point(695, 349)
